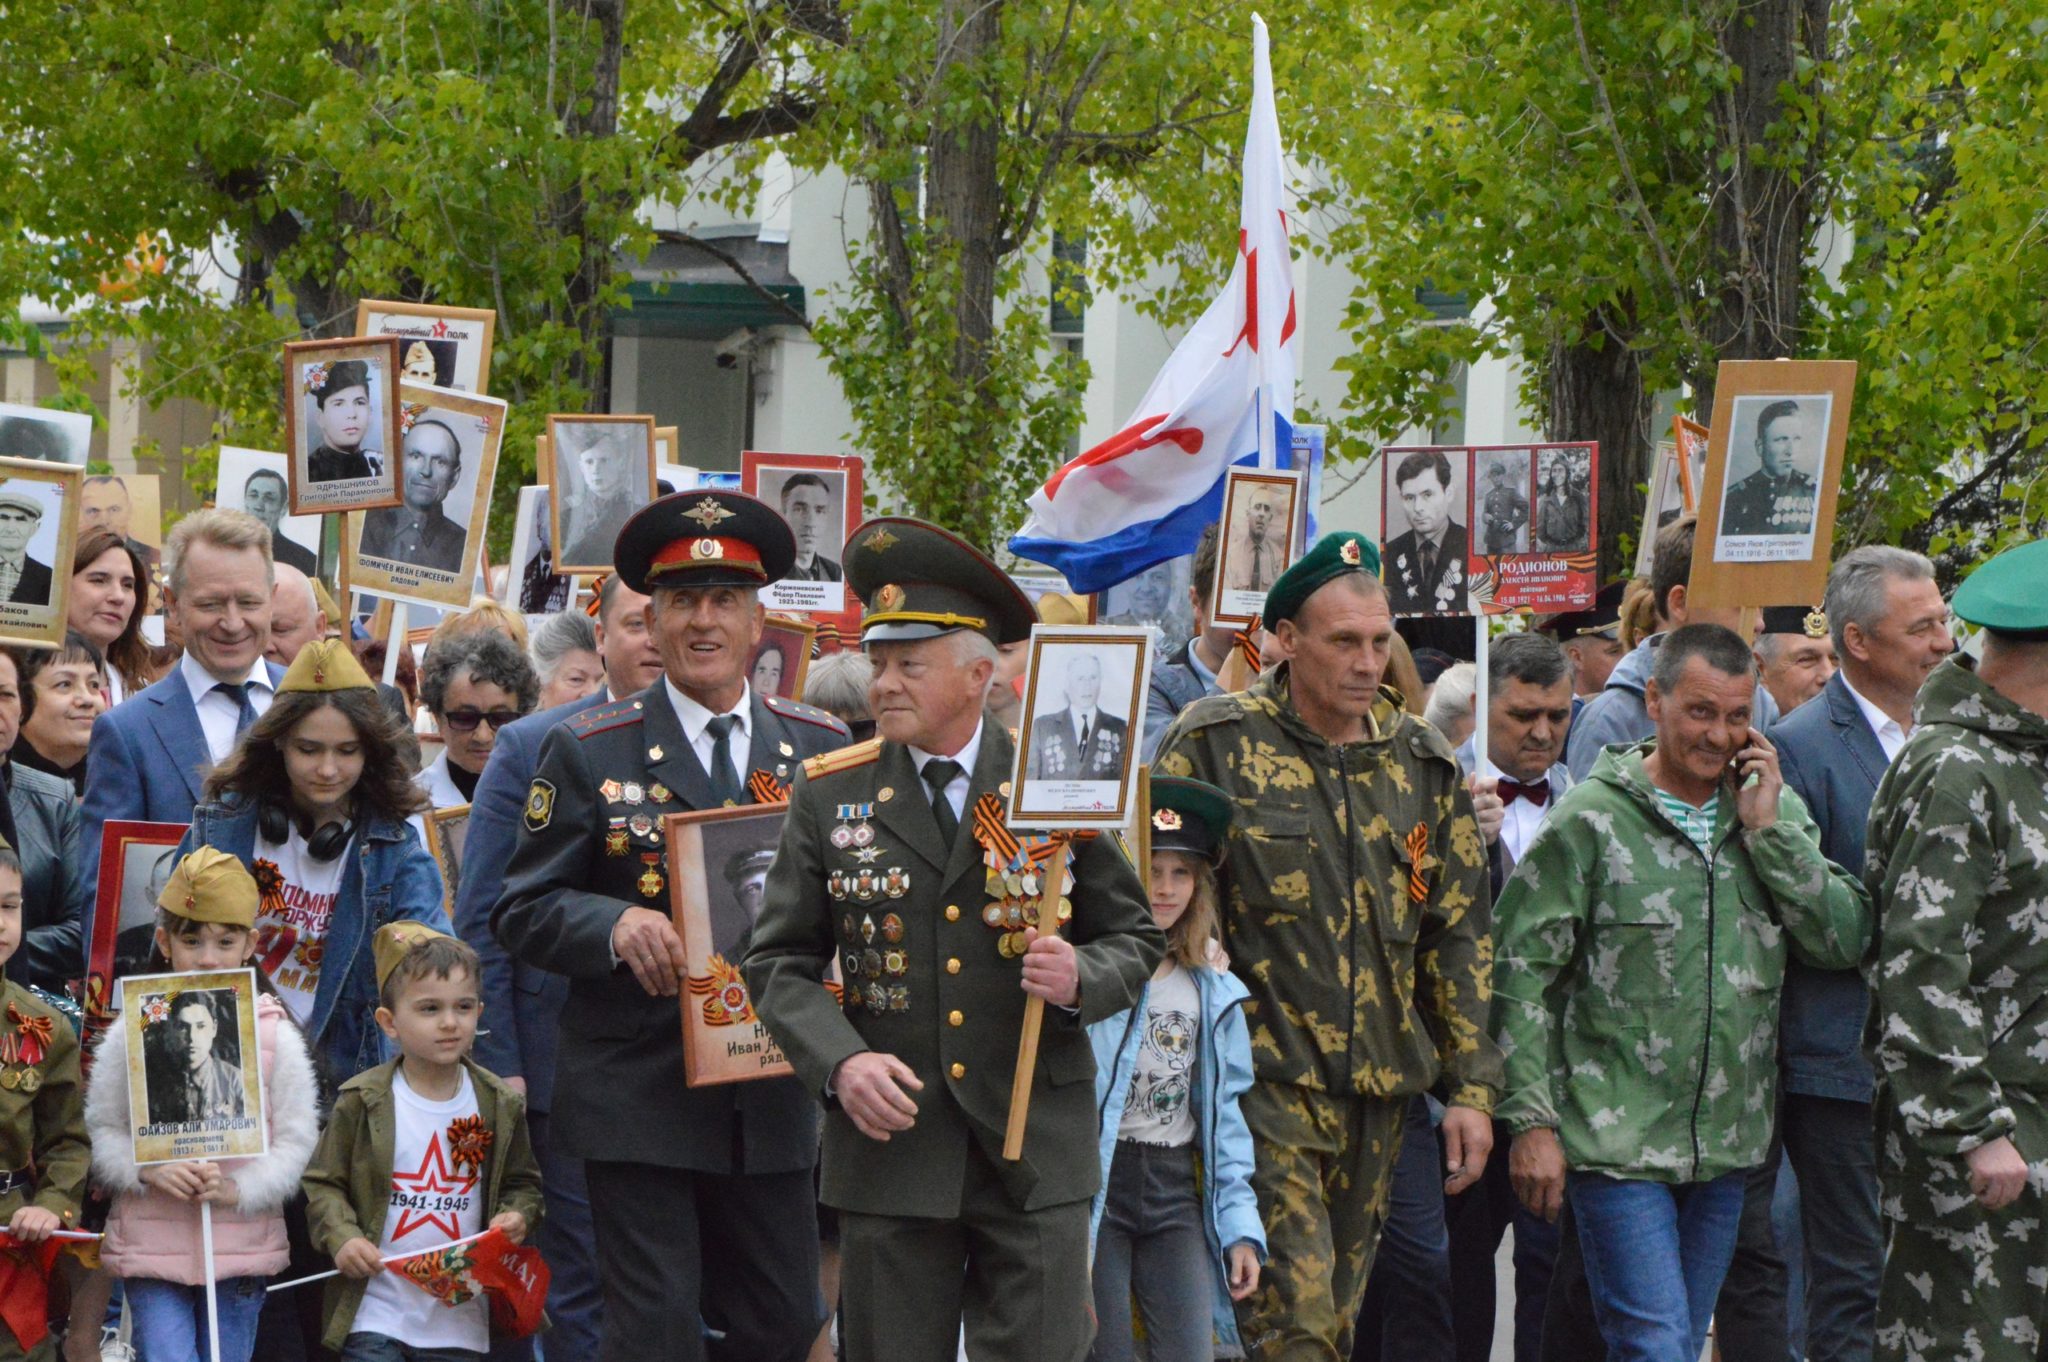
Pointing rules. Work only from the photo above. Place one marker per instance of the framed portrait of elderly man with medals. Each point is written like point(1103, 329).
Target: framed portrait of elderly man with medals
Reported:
point(426, 549)
point(440, 347)
point(1084, 707)
point(1259, 538)
point(38, 531)
point(719, 859)
point(195, 1077)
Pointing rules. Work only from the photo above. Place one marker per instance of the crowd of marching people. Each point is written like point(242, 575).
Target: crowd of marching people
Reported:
point(1709, 966)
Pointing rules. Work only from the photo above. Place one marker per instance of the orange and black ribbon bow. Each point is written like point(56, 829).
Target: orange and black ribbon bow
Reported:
point(766, 789)
point(1418, 846)
point(35, 1034)
point(1248, 648)
point(989, 829)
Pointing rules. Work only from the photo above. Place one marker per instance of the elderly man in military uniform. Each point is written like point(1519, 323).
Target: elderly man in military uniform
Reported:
point(895, 863)
point(701, 1197)
point(1355, 910)
point(1958, 865)
point(1779, 497)
point(1078, 742)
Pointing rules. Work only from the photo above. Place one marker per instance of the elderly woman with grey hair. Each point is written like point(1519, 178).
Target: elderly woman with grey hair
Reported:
point(838, 684)
point(565, 655)
point(1449, 709)
point(473, 685)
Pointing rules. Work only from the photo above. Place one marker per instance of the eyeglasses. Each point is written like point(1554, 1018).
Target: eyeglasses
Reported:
point(466, 720)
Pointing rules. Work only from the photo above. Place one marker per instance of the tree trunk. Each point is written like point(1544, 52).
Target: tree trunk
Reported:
point(592, 114)
point(1598, 394)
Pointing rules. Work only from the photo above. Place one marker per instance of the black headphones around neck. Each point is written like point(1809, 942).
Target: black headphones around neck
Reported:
point(324, 843)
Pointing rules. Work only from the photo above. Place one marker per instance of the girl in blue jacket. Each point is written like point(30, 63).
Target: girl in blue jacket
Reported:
point(1176, 1224)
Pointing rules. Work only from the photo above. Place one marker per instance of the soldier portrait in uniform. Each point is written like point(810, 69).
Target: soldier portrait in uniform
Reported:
point(43, 434)
point(533, 585)
point(721, 859)
point(1772, 483)
point(1156, 598)
point(193, 1067)
point(448, 347)
point(1503, 501)
point(819, 495)
point(1261, 508)
point(1081, 689)
point(1426, 544)
point(601, 469)
point(342, 424)
point(426, 549)
point(39, 508)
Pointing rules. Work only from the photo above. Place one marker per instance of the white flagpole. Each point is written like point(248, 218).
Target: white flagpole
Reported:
point(394, 1258)
point(394, 643)
point(1480, 689)
point(212, 1297)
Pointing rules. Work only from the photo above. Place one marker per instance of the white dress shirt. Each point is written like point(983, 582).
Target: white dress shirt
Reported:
point(956, 789)
point(1891, 735)
point(1084, 723)
point(696, 721)
point(218, 713)
point(1519, 827)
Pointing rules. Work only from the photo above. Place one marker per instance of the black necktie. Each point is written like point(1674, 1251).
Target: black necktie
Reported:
point(938, 774)
point(1537, 792)
point(1086, 724)
point(725, 787)
point(238, 691)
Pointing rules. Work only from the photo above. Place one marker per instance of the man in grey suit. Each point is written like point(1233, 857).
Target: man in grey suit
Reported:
point(1890, 629)
point(523, 1003)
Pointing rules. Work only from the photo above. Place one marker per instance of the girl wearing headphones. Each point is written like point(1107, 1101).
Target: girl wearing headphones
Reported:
point(314, 800)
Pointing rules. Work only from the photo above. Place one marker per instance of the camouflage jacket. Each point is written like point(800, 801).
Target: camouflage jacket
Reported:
point(1639, 977)
point(1354, 896)
point(1958, 866)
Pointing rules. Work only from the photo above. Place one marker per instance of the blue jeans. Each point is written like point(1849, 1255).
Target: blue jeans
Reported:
point(169, 1318)
point(383, 1348)
point(1151, 1245)
point(1407, 1309)
point(1655, 1255)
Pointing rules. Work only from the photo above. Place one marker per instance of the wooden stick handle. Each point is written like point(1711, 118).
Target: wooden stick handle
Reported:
point(1034, 1012)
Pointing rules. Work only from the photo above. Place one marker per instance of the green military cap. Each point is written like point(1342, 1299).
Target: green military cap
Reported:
point(21, 501)
point(325, 664)
point(1191, 816)
point(919, 581)
point(211, 886)
point(1603, 617)
point(1332, 556)
point(703, 538)
point(743, 864)
point(1810, 621)
point(2009, 594)
point(396, 940)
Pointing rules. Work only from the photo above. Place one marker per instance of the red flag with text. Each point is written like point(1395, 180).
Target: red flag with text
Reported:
point(25, 1288)
point(512, 1275)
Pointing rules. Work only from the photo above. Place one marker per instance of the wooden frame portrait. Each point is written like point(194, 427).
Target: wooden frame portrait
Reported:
point(666, 438)
point(785, 647)
point(601, 470)
point(1665, 503)
point(820, 496)
point(39, 530)
point(1774, 470)
point(449, 463)
point(195, 1075)
point(136, 861)
point(1256, 503)
point(44, 434)
point(1421, 486)
point(1156, 598)
point(1082, 724)
point(718, 862)
point(447, 829)
point(337, 432)
point(1692, 440)
point(440, 347)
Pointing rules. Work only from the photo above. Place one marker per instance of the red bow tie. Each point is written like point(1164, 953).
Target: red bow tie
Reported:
point(1537, 792)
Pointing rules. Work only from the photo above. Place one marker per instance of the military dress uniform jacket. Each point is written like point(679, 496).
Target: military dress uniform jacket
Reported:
point(1761, 504)
point(1354, 897)
point(1056, 748)
point(42, 1119)
point(620, 1090)
point(959, 1012)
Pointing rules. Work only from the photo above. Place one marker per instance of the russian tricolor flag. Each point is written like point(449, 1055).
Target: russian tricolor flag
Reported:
point(1144, 495)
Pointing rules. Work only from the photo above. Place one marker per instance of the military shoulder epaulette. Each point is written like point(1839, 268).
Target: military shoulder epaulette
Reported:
point(810, 714)
point(843, 759)
point(604, 718)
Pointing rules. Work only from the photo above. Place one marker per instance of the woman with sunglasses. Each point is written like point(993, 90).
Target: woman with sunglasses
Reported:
point(473, 685)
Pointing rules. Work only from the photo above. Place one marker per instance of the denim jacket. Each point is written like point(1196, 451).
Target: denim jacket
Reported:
point(1223, 1072)
point(388, 877)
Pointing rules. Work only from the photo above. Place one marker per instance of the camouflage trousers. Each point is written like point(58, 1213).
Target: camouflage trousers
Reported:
point(1324, 1166)
point(1960, 1282)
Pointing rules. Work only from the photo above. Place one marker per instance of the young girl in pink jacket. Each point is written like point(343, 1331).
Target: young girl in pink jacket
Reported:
point(206, 917)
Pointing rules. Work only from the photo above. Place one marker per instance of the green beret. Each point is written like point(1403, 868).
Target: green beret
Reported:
point(1332, 556)
point(1189, 815)
point(2009, 594)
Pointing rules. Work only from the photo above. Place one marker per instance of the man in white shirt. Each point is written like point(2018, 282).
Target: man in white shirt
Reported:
point(1079, 742)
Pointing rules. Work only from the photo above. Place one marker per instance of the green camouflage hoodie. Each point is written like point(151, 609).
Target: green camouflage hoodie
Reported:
point(1636, 994)
point(1958, 868)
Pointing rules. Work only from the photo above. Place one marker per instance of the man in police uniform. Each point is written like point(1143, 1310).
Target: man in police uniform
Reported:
point(884, 866)
point(1779, 497)
point(701, 1197)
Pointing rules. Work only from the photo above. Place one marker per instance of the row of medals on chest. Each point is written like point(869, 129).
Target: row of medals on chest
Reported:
point(617, 842)
point(874, 949)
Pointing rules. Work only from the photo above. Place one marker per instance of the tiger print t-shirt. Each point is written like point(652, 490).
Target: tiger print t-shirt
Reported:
point(1161, 1106)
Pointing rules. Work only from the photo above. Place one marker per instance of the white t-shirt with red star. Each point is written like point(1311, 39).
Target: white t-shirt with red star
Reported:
point(436, 1197)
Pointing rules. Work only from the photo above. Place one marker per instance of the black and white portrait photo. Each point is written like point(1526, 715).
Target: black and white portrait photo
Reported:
point(1423, 530)
point(44, 435)
point(602, 472)
point(720, 860)
point(1665, 503)
point(440, 347)
point(1564, 501)
point(253, 480)
point(341, 417)
point(737, 853)
point(820, 496)
point(1084, 696)
point(533, 587)
point(194, 1085)
point(145, 869)
point(1771, 495)
point(426, 548)
point(782, 657)
point(39, 509)
point(1503, 508)
point(192, 1056)
point(28, 539)
point(1156, 598)
point(1261, 509)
